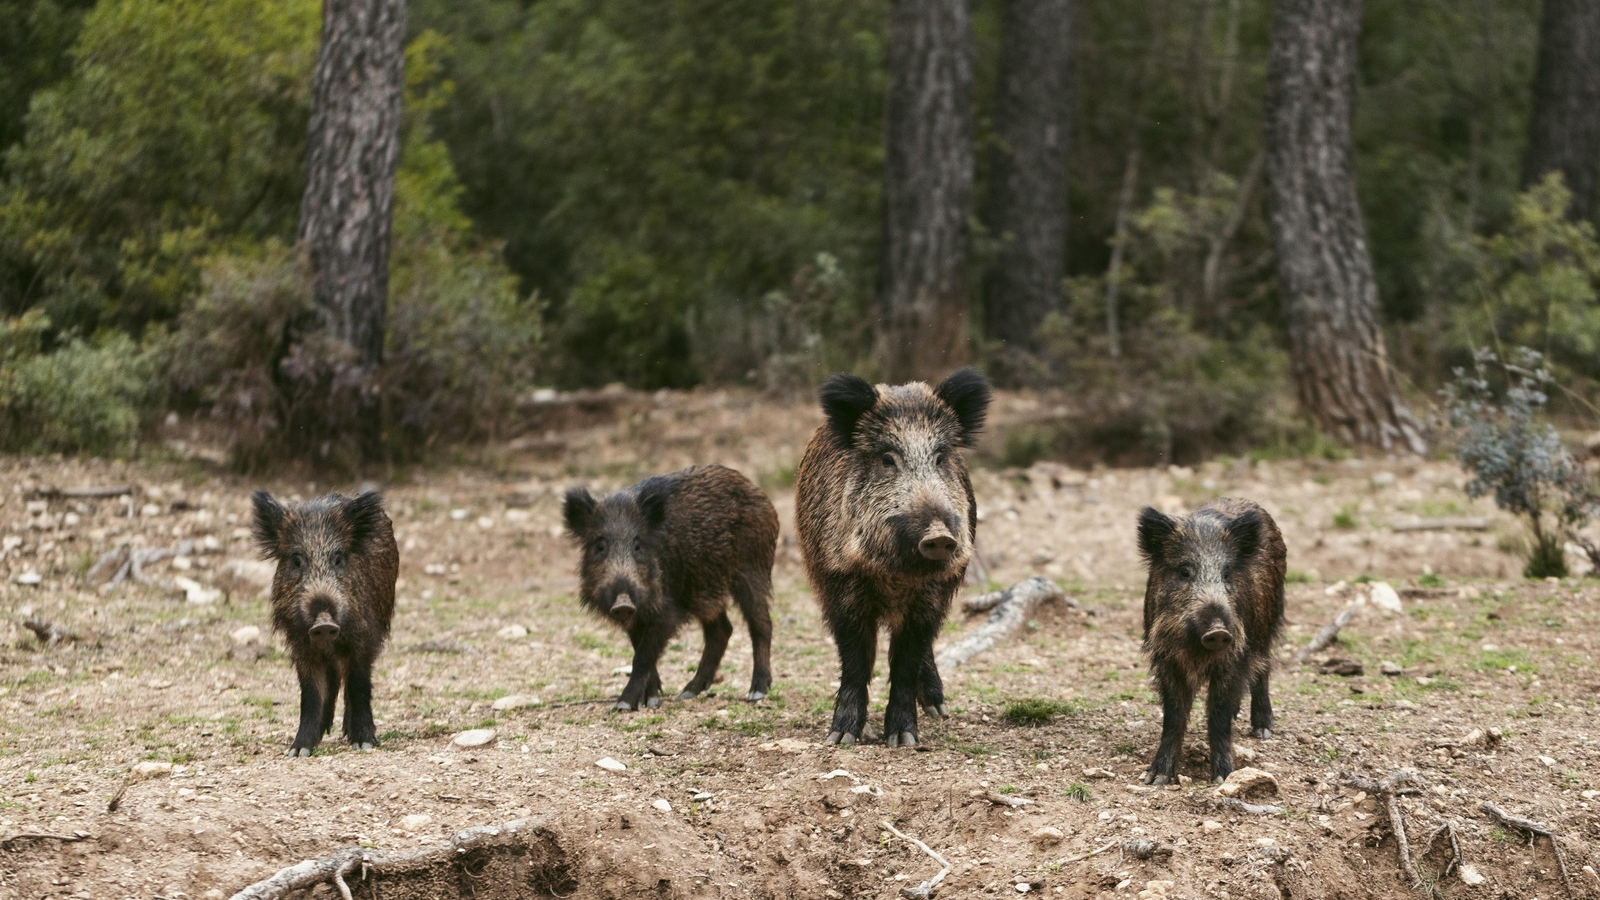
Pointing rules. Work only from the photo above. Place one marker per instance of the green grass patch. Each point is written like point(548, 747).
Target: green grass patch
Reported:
point(1035, 711)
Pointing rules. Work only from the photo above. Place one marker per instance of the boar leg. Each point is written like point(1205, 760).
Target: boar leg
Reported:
point(857, 640)
point(754, 597)
point(652, 691)
point(1261, 706)
point(330, 695)
point(717, 632)
point(930, 689)
point(648, 643)
point(1222, 707)
point(313, 689)
point(909, 649)
point(358, 725)
point(1177, 697)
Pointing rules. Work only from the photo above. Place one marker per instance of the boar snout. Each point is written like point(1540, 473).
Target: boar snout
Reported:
point(937, 544)
point(1217, 638)
point(623, 608)
point(324, 630)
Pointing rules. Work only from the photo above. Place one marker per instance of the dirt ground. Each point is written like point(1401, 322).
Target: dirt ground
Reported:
point(155, 730)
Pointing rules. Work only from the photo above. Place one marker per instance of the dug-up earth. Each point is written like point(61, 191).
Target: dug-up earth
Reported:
point(142, 752)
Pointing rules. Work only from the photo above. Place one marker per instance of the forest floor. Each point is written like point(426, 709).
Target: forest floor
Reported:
point(153, 734)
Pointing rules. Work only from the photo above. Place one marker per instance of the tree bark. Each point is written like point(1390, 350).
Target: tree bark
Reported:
point(353, 149)
point(1564, 135)
point(922, 299)
point(1028, 197)
point(1330, 299)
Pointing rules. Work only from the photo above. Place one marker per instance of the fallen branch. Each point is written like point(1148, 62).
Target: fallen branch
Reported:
point(1534, 831)
point(130, 563)
point(1461, 523)
point(48, 633)
point(1010, 609)
point(925, 889)
point(50, 492)
point(1391, 789)
point(1327, 634)
point(333, 869)
point(1007, 800)
point(15, 839)
point(1138, 849)
point(1254, 809)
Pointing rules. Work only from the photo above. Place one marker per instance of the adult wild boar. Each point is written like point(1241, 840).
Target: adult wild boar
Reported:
point(886, 520)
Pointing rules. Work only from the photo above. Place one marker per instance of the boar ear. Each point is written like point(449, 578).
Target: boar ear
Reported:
point(364, 516)
point(1245, 530)
point(1154, 529)
point(653, 503)
point(268, 523)
point(967, 394)
point(578, 511)
point(845, 399)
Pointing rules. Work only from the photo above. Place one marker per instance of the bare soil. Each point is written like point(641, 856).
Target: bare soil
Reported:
point(721, 798)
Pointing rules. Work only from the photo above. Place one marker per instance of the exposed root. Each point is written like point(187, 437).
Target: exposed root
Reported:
point(50, 492)
point(127, 564)
point(1006, 800)
point(925, 889)
point(1534, 831)
point(1095, 852)
point(15, 839)
point(1010, 608)
point(1137, 849)
point(1390, 789)
point(1254, 809)
point(333, 869)
point(1457, 523)
point(1447, 829)
point(48, 633)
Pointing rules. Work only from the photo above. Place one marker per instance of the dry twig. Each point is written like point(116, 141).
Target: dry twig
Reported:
point(1447, 829)
point(15, 839)
point(1461, 523)
point(1254, 809)
point(333, 869)
point(128, 564)
point(1391, 788)
point(50, 492)
point(1010, 609)
point(1006, 800)
point(1328, 633)
point(925, 889)
point(1534, 831)
point(48, 633)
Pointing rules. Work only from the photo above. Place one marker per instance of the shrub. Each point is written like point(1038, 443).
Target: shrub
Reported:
point(1496, 407)
point(79, 397)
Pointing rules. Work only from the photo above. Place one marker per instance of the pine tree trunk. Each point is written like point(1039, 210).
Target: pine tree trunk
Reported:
point(353, 149)
point(1028, 200)
point(922, 301)
point(1341, 369)
point(1564, 135)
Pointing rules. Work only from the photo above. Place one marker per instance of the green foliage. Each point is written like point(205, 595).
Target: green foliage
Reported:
point(661, 165)
point(1345, 518)
point(1514, 454)
point(1537, 283)
point(180, 127)
point(1034, 711)
point(79, 396)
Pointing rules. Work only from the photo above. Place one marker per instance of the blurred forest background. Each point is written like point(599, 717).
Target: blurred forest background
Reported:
point(1100, 198)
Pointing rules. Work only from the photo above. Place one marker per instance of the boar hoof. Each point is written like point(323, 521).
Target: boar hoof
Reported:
point(363, 745)
point(687, 695)
point(1152, 778)
point(903, 739)
point(756, 696)
point(1262, 733)
point(653, 702)
point(841, 738)
point(942, 710)
point(623, 706)
point(299, 751)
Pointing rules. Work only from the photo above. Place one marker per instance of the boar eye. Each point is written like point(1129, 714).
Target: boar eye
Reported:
point(1185, 571)
point(297, 560)
point(940, 458)
point(638, 545)
point(888, 461)
point(337, 558)
point(600, 545)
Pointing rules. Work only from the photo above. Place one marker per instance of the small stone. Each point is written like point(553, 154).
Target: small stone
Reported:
point(610, 765)
point(29, 578)
point(150, 509)
point(623, 670)
point(474, 737)
point(1381, 595)
point(1249, 782)
point(1591, 795)
point(1390, 669)
point(1211, 825)
point(415, 821)
point(516, 701)
point(791, 745)
point(151, 768)
point(485, 522)
point(1423, 680)
point(1383, 479)
point(513, 632)
point(1338, 665)
point(196, 593)
point(1098, 772)
point(1471, 876)
point(1548, 761)
point(1048, 836)
point(248, 634)
point(435, 569)
point(1157, 890)
point(662, 804)
point(1023, 887)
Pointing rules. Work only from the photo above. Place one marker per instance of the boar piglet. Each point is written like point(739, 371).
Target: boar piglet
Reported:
point(333, 599)
point(673, 548)
point(887, 518)
point(1212, 609)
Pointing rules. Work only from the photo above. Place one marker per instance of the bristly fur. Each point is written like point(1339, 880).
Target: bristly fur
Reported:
point(267, 523)
point(679, 545)
point(881, 476)
point(1218, 572)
